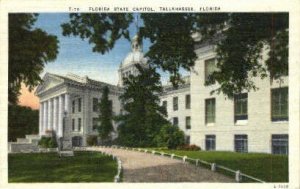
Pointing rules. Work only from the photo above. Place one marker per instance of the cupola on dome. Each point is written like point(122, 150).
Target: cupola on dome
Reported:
point(136, 55)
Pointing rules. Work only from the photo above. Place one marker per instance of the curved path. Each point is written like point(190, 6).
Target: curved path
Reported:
point(146, 167)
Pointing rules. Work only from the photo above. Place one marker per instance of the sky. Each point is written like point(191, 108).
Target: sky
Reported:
point(76, 56)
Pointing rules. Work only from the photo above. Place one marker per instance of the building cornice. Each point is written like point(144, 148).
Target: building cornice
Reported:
point(167, 90)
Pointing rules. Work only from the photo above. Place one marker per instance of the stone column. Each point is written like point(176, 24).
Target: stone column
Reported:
point(67, 99)
point(49, 115)
point(60, 116)
point(66, 113)
point(55, 114)
point(41, 119)
point(45, 116)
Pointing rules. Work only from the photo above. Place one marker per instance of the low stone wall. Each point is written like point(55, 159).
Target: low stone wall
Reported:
point(14, 147)
point(35, 141)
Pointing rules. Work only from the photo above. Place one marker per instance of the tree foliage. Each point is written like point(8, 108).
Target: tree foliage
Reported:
point(143, 115)
point(172, 44)
point(48, 142)
point(102, 30)
point(240, 51)
point(29, 50)
point(240, 39)
point(21, 121)
point(105, 116)
point(170, 136)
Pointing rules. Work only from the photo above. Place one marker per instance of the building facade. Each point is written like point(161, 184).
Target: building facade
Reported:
point(69, 106)
point(178, 105)
point(255, 121)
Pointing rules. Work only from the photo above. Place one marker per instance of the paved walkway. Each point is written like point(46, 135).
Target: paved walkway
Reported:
point(145, 167)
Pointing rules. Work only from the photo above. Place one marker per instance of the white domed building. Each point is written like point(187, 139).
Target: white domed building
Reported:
point(68, 106)
point(128, 65)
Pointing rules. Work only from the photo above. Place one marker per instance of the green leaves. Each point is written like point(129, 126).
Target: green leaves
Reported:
point(29, 51)
point(173, 46)
point(102, 30)
point(170, 136)
point(240, 52)
point(105, 116)
point(143, 116)
point(21, 121)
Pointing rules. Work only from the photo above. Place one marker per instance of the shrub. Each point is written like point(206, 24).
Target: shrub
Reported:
point(44, 142)
point(52, 143)
point(91, 140)
point(188, 147)
point(170, 136)
point(48, 142)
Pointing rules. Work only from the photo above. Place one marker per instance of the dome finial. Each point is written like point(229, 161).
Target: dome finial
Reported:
point(136, 44)
point(137, 23)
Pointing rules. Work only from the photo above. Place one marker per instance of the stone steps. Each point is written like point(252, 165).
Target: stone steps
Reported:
point(31, 137)
point(23, 140)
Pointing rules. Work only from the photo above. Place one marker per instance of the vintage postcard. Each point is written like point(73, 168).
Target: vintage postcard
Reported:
point(132, 94)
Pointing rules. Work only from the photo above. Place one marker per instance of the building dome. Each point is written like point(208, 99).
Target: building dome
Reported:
point(136, 55)
point(134, 58)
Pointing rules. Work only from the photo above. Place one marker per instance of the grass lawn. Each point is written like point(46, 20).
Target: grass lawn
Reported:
point(267, 167)
point(48, 167)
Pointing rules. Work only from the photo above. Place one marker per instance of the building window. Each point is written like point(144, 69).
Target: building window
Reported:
point(95, 123)
point(210, 142)
point(79, 104)
point(165, 104)
point(111, 105)
point(175, 103)
point(279, 104)
point(210, 110)
point(280, 144)
point(188, 101)
point(73, 106)
point(241, 143)
point(95, 104)
point(210, 67)
point(175, 121)
point(73, 124)
point(79, 124)
point(187, 139)
point(241, 107)
point(188, 122)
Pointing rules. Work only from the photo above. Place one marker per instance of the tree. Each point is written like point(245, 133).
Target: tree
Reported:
point(239, 52)
point(105, 116)
point(143, 115)
point(29, 50)
point(21, 121)
point(240, 39)
point(172, 44)
point(102, 30)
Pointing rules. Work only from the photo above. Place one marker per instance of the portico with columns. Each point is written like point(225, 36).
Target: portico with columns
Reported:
point(67, 106)
point(52, 112)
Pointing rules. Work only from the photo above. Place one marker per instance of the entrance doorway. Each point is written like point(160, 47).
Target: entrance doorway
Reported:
point(77, 141)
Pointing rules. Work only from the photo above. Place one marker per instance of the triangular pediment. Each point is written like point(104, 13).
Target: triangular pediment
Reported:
point(49, 81)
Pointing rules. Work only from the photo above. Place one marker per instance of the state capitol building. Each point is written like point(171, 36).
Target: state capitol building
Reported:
point(255, 121)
